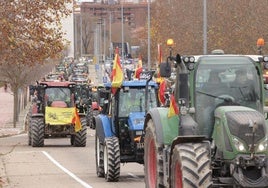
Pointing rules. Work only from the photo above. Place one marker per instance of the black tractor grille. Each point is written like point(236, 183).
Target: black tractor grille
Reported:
point(239, 125)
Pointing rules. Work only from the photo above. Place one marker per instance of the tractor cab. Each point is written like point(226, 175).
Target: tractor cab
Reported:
point(225, 81)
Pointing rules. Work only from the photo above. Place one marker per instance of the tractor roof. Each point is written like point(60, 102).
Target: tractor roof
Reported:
point(57, 84)
point(134, 83)
point(255, 58)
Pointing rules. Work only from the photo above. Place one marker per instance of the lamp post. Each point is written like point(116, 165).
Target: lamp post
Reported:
point(204, 26)
point(149, 37)
point(260, 44)
point(122, 20)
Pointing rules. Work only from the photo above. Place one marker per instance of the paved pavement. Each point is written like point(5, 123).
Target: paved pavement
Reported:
point(6, 115)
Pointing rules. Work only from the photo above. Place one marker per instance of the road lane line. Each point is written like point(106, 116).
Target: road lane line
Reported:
point(133, 175)
point(84, 184)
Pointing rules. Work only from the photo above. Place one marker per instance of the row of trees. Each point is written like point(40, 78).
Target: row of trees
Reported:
point(233, 26)
point(30, 37)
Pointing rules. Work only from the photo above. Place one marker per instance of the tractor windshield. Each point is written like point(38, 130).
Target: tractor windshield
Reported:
point(133, 100)
point(58, 94)
point(225, 80)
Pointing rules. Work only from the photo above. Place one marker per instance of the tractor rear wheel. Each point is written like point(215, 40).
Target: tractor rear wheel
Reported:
point(80, 138)
point(153, 161)
point(37, 132)
point(111, 159)
point(94, 114)
point(190, 166)
point(99, 157)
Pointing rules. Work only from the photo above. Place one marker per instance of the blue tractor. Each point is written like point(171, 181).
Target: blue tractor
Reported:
point(119, 127)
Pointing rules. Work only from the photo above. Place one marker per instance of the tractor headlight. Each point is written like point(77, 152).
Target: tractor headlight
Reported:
point(239, 145)
point(262, 146)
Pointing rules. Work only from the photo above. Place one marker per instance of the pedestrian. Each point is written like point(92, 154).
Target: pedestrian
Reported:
point(5, 87)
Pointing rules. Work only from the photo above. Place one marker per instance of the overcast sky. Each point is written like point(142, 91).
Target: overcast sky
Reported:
point(68, 27)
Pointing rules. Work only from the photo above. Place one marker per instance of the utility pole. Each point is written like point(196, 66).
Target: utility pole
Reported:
point(204, 26)
point(149, 37)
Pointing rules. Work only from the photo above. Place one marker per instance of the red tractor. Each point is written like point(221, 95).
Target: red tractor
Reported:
point(54, 114)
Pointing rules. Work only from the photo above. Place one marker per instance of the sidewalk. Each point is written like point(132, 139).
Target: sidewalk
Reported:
point(6, 115)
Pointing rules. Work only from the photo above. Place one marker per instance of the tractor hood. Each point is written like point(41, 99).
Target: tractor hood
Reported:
point(136, 120)
point(241, 124)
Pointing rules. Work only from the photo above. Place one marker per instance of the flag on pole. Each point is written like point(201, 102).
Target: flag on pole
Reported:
point(138, 69)
point(159, 50)
point(161, 91)
point(76, 121)
point(117, 75)
point(160, 59)
point(173, 108)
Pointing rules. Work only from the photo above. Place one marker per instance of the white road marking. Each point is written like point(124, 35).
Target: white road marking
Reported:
point(133, 175)
point(84, 184)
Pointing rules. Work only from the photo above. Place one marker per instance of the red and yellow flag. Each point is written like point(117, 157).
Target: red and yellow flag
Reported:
point(117, 75)
point(138, 69)
point(161, 92)
point(173, 108)
point(76, 121)
point(159, 79)
point(159, 50)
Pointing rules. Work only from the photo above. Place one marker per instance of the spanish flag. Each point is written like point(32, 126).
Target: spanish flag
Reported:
point(161, 92)
point(117, 75)
point(76, 121)
point(173, 108)
point(138, 69)
point(159, 52)
point(159, 79)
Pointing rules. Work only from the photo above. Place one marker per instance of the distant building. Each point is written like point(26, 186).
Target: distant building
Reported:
point(134, 15)
point(134, 11)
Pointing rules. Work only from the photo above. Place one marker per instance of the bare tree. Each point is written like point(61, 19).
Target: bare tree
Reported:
point(30, 33)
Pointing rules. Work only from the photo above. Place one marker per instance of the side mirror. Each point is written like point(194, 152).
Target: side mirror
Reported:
point(165, 70)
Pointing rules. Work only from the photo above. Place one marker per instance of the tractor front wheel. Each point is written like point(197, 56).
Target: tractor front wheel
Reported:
point(80, 138)
point(190, 166)
point(111, 159)
point(99, 157)
point(153, 160)
point(37, 132)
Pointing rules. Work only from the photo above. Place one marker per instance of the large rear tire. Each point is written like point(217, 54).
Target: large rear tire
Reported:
point(37, 132)
point(153, 159)
point(190, 166)
point(111, 159)
point(94, 114)
point(80, 138)
point(99, 157)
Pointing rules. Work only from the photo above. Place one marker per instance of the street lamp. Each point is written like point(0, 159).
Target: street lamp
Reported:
point(205, 26)
point(149, 37)
point(122, 20)
point(260, 44)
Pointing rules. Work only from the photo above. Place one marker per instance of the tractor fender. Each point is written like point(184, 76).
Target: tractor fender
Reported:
point(37, 115)
point(166, 128)
point(103, 127)
point(81, 114)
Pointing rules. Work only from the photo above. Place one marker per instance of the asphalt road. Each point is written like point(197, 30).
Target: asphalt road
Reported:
point(58, 165)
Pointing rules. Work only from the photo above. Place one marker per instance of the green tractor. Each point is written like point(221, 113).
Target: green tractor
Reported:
point(219, 137)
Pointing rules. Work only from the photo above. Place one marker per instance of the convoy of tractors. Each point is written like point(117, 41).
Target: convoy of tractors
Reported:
point(211, 132)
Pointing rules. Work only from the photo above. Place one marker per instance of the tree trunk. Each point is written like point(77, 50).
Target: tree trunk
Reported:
point(15, 107)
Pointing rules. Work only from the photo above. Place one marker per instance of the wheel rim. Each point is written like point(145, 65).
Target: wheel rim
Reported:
point(178, 175)
point(105, 159)
point(151, 158)
point(98, 151)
